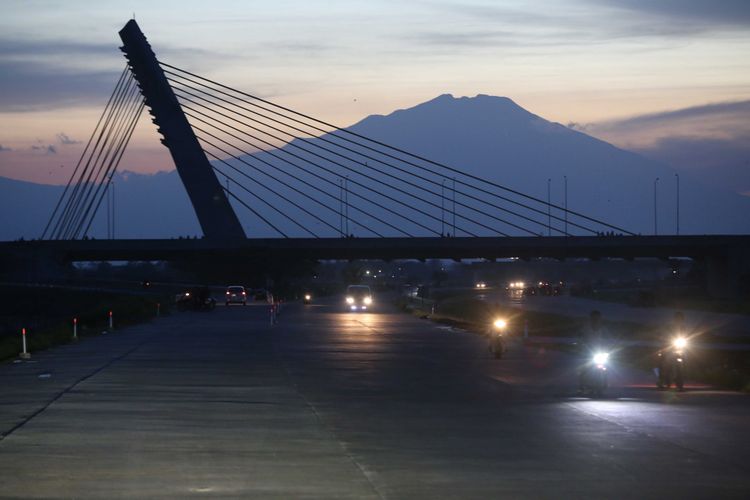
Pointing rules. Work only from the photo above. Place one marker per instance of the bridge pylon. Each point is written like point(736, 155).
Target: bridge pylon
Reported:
point(215, 214)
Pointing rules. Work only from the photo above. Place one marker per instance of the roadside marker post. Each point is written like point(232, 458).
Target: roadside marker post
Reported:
point(158, 309)
point(25, 354)
point(111, 322)
point(75, 329)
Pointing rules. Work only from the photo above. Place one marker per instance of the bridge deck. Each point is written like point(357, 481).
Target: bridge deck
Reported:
point(627, 247)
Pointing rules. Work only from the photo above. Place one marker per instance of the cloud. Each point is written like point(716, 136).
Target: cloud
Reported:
point(29, 86)
point(45, 148)
point(52, 74)
point(713, 111)
point(65, 140)
point(15, 48)
point(703, 12)
point(722, 162)
point(582, 22)
point(710, 141)
point(3, 148)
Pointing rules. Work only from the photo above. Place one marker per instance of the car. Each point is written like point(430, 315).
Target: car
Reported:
point(307, 298)
point(235, 294)
point(358, 298)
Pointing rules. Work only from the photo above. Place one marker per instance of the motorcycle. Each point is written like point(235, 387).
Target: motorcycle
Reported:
point(671, 365)
point(497, 332)
point(594, 375)
point(195, 299)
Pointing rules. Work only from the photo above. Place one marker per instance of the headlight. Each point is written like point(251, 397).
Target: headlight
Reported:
point(600, 358)
point(307, 297)
point(368, 300)
point(350, 300)
point(680, 342)
point(500, 324)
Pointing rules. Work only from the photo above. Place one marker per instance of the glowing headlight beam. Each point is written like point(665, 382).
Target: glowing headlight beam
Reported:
point(601, 358)
point(680, 342)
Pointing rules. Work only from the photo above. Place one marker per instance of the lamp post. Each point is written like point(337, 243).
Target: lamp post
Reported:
point(565, 179)
point(677, 178)
point(341, 208)
point(656, 227)
point(549, 208)
point(454, 207)
point(442, 208)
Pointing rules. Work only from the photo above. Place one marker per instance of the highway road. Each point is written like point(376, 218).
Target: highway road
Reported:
point(329, 404)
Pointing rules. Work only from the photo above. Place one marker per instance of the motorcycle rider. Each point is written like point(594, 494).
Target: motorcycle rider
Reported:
point(676, 328)
point(590, 339)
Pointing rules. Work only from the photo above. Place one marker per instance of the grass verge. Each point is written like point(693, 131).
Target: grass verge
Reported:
point(91, 309)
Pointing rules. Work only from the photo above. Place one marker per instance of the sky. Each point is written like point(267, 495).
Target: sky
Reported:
point(668, 79)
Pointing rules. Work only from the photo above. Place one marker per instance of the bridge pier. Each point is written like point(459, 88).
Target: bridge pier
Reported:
point(726, 274)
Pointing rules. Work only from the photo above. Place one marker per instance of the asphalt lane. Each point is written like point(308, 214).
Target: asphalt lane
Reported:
point(331, 404)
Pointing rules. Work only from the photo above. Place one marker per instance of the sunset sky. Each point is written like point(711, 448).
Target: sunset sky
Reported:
point(670, 79)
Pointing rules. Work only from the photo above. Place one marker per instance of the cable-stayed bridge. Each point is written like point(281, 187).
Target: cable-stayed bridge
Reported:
point(327, 192)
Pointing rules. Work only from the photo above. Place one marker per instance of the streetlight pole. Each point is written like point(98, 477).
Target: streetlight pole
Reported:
point(656, 230)
point(112, 183)
point(341, 208)
point(109, 210)
point(565, 179)
point(346, 201)
point(454, 207)
point(442, 208)
point(677, 177)
point(549, 207)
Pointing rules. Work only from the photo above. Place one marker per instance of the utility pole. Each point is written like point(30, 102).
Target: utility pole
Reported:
point(341, 208)
point(656, 230)
point(549, 207)
point(565, 179)
point(677, 177)
point(346, 201)
point(454, 207)
point(442, 208)
point(112, 184)
point(109, 210)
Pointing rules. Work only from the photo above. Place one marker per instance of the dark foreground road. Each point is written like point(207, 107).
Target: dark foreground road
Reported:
point(333, 405)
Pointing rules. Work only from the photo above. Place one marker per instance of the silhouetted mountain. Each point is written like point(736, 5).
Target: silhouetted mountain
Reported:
point(496, 139)
point(490, 137)
point(146, 206)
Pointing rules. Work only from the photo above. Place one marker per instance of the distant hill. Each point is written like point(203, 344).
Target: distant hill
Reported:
point(146, 206)
point(491, 137)
point(496, 139)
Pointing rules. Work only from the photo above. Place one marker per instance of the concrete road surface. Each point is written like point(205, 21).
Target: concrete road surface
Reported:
point(329, 404)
